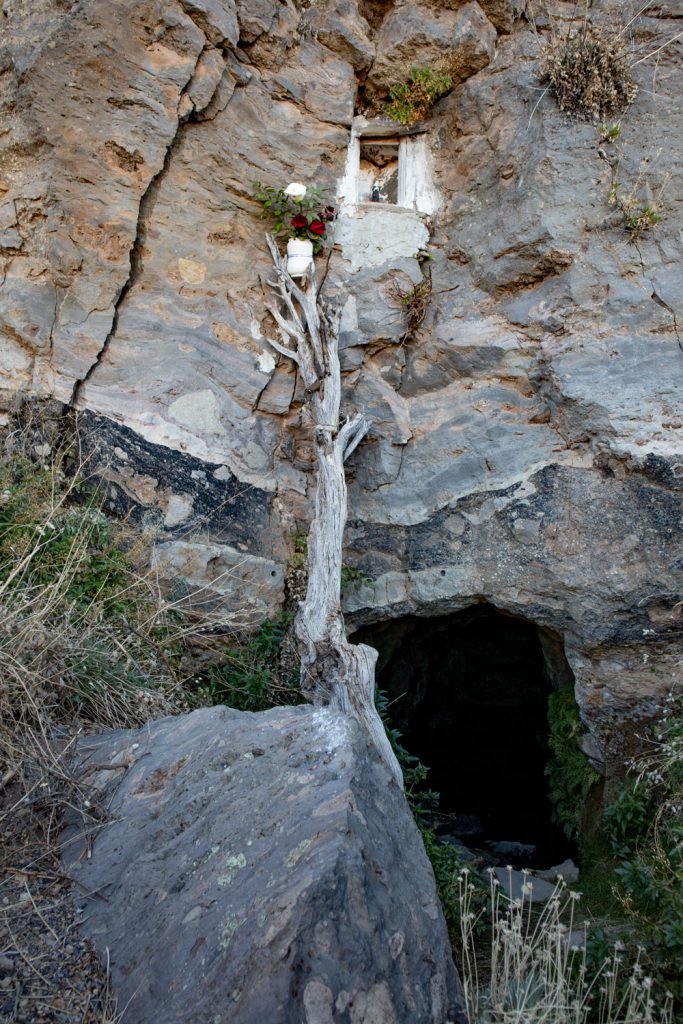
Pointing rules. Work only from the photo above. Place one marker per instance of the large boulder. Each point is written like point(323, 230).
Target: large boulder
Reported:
point(261, 868)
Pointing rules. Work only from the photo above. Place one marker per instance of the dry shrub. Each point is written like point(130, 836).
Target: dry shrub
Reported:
point(539, 968)
point(413, 302)
point(588, 71)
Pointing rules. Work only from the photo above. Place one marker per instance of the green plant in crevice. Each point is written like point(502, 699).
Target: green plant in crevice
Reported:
point(422, 802)
point(645, 828)
point(300, 555)
point(353, 578)
point(641, 207)
point(598, 883)
point(412, 100)
point(257, 673)
point(610, 133)
point(58, 541)
point(570, 776)
point(296, 573)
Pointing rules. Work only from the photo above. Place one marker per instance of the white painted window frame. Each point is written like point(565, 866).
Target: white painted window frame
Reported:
point(416, 189)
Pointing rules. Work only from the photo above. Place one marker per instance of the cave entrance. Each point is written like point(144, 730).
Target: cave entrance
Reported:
point(469, 692)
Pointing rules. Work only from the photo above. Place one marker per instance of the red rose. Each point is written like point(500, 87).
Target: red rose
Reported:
point(299, 222)
point(317, 227)
point(329, 213)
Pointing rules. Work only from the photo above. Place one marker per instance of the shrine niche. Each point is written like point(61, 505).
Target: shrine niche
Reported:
point(386, 195)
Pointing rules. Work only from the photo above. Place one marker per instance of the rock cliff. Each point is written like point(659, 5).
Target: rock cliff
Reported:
point(526, 443)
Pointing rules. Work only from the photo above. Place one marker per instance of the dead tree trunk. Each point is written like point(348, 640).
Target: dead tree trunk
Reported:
point(334, 673)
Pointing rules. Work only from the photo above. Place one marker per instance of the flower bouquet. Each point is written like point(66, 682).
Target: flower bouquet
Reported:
point(298, 213)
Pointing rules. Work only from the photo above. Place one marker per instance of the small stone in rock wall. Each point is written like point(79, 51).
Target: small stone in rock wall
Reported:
point(567, 871)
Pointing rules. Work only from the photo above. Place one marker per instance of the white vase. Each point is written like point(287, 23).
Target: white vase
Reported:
point(299, 256)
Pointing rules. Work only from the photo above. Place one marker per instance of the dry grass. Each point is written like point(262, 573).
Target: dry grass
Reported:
point(88, 640)
point(88, 636)
point(93, 661)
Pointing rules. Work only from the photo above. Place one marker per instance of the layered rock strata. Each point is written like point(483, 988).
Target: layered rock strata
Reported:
point(526, 447)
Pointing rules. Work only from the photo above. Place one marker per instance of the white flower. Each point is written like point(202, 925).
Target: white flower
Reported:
point(296, 190)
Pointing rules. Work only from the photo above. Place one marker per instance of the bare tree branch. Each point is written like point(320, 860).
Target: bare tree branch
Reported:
point(334, 672)
point(289, 353)
point(352, 433)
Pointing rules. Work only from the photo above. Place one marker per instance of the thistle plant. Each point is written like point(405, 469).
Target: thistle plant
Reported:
point(539, 965)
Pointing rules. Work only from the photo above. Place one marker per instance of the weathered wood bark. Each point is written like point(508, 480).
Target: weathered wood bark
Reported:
point(333, 672)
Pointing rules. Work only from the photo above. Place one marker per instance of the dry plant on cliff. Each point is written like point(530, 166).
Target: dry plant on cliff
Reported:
point(588, 71)
point(589, 67)
point(413, 303)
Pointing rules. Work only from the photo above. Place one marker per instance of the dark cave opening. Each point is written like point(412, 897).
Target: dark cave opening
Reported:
point(469, 692)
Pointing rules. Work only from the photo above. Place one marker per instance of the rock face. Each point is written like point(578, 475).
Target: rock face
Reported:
point(526, 447)
point(421, 36)
point(262, 867)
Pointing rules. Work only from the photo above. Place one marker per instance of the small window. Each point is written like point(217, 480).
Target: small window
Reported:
point(378, 177)
point(389, 167)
